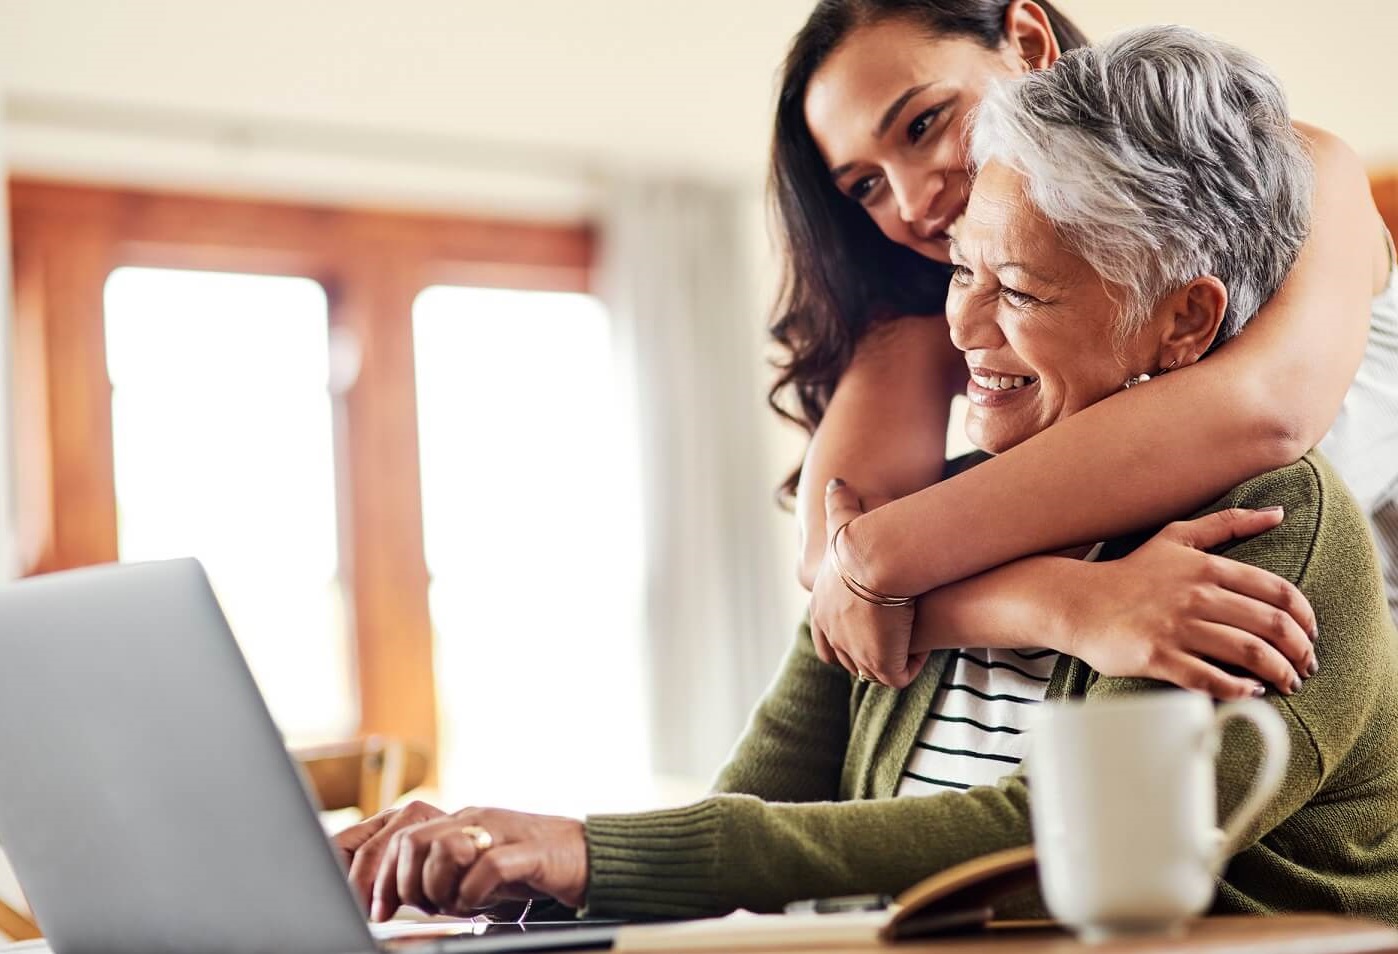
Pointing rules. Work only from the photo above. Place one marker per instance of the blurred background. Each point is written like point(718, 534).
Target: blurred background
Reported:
point(436, 330)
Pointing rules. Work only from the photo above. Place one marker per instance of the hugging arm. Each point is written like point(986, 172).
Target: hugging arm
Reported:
point(1170, 610)
point(885, 429)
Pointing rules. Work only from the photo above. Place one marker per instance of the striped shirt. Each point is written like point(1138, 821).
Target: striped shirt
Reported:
point(975, 729)
point(1363, 443)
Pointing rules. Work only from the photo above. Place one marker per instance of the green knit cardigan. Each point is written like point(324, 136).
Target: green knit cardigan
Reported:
point(805, 805)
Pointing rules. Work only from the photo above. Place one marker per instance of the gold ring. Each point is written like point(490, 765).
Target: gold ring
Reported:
point(481, 839)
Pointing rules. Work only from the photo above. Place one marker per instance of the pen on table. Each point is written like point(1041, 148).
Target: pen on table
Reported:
point(853, 902)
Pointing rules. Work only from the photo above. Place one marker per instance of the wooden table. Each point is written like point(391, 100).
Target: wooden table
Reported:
point(1282, 934)
point(1289, 934)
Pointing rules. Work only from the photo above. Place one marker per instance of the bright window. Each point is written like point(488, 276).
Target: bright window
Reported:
point(222, 433)
point(532, 535)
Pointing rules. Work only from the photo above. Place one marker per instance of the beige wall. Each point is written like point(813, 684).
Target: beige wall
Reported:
point(416, 93)
point(1336, 58)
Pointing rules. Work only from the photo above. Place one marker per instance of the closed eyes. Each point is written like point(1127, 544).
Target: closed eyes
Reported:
point(961, 275)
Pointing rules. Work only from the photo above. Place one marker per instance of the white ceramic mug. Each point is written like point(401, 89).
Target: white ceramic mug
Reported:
point(1123, 801)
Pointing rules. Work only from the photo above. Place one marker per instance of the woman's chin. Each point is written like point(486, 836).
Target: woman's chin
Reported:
point(990, 435)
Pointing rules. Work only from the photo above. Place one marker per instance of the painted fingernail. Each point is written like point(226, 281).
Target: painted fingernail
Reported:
point(1258, 690)
point(1272, 510)
point(1315, 634)
point(1313, 668)
point(835, 484)
point(1295, 685)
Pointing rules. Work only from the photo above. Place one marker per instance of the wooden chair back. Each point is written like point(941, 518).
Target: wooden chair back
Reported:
point(15, 926)
point(368, 774)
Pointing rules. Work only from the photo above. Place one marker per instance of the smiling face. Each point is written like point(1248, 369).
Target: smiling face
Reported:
point(1036, 322)
point(887, 110)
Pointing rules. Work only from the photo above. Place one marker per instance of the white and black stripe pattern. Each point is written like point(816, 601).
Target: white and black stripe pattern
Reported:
point(975, 730)
point(1385, 520)
point(974, 733)
point(1363, 443)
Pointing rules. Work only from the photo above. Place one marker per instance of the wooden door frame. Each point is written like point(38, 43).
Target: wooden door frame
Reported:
point(1385, 189)
point(68, 238)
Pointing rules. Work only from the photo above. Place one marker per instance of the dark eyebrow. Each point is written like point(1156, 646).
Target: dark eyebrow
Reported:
point(892, 112)
point(889, 116)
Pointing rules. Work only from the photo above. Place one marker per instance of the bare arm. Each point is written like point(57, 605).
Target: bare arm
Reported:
point(886, 427)
point(1170, 611)
point(1149, 454)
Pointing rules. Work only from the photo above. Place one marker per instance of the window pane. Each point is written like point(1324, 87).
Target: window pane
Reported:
point(222, 435)
point(533, 543)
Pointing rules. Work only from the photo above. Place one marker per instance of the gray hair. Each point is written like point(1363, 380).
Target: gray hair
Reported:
point(1160, 156)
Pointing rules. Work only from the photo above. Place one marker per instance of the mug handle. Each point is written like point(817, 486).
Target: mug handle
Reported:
point(1276, 747)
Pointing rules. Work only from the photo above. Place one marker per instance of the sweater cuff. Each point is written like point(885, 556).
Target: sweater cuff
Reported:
point(662, 864)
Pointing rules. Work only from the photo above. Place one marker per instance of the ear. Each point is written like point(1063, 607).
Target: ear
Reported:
point(1029, 34)
point(1189, 321)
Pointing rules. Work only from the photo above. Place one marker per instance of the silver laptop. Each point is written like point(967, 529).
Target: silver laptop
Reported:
point(147, 802)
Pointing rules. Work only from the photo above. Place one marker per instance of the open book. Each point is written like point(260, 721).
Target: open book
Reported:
point(959, 899)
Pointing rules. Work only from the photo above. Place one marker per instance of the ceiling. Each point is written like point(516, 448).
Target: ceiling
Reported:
point(641, 83)
point(546, 89)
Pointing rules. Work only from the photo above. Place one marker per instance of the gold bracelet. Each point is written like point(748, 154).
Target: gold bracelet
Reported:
point(854, 586)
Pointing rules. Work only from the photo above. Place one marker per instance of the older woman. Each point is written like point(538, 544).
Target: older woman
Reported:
point(1134, 207)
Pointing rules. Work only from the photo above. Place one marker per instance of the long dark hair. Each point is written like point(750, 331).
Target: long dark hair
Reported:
point(841, 274)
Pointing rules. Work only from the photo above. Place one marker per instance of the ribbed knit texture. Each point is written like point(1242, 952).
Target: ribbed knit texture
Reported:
point(659, 864)
point(805, 808)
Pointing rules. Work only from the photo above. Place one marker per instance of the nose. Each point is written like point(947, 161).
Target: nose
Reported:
point(915, 190)
point(971, 320)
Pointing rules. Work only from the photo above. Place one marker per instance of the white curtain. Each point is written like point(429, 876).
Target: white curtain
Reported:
point(678, 275)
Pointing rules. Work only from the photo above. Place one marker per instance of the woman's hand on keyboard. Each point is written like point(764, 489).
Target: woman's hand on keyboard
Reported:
point(473, 860)
point(361, 847)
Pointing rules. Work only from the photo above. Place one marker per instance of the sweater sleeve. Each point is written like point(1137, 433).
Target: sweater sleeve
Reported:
point(737, 851)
